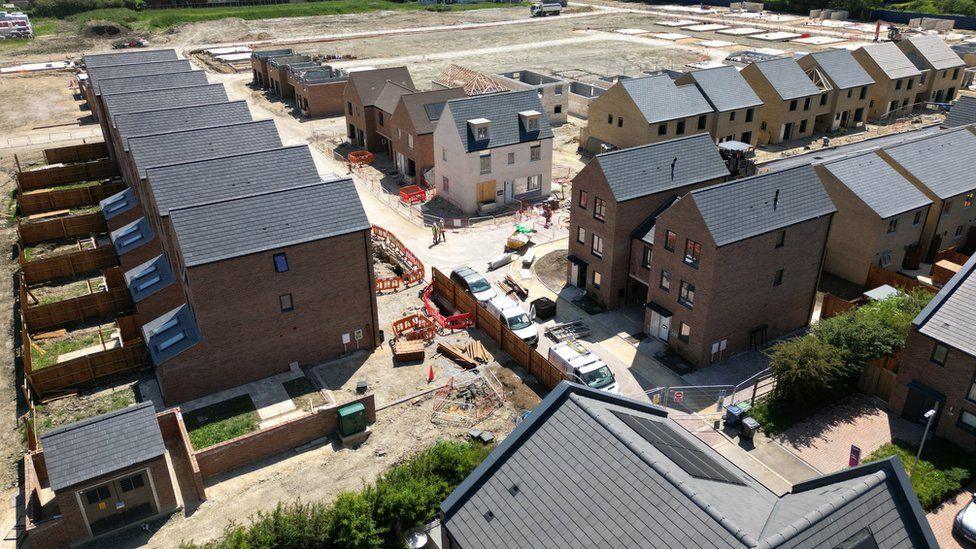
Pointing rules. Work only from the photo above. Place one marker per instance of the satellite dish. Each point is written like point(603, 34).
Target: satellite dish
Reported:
point(417, 539)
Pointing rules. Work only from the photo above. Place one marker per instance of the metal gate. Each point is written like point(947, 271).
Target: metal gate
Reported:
point(696, 400)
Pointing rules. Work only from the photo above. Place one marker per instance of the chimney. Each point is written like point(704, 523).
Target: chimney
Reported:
point(776, 199)
point(673, 162)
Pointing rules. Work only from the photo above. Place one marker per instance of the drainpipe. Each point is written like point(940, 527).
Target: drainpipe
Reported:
point(823, 258)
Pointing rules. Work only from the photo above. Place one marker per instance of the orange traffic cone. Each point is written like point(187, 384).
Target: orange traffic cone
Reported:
point(430, 374)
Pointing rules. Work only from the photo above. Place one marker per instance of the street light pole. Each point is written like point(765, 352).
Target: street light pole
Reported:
point(929, 416)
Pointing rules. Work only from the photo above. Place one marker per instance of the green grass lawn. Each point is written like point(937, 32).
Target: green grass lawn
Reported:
point(302, 390)
point(941, 473)
point(222, 421)
point(65, 411)
point(51, 349)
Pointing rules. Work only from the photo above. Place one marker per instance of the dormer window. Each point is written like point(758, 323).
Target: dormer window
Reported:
point(148, 278)
point(482, 133)
point(480, 128)
point(530, 120)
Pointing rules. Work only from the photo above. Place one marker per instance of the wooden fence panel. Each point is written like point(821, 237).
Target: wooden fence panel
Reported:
point(76, 153)
point(833, 306)
point(489, 324)
point(66, 174)
point(98, 305)
point(879, 277)
point(465, 302)
point(61, 227)
point(951, 255)
point(34, 202)
point(514, 346)
point(58, 378)
point(877, 381)
point(68, 265)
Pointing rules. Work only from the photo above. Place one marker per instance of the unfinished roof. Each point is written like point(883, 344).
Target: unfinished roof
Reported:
point(472, 82)
point(231, 177)
point(942, 162)
point(934, 52)
point(288, 60)
point(188, 96)
point(121, 58)
point(390, 96)
point(97, 446)
point(659, 99)
point(891, 60)
point(268, 221)
point(589, 469)
point(645, 231)
point(756, 205)
point(787, 78)
point(726, 89)
point(324, 74)
point(658, 167)
point(267, 54)
point(502, 109)
point(369, 84)
point(963, 112)
point(179, 147)
point(132, 124)
point(424, 108)
point(950, 318)
point(97, 74)
point(131, 84)
point(842, 69)
point(877, 184)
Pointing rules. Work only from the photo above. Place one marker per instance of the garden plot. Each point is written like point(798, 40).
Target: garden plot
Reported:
point(221, 421)
point(50, 348)
point(101, 400)
point(52, 292)
point(45, 250)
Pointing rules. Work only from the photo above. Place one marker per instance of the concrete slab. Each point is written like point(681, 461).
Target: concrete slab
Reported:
point(708, 27)
point(676, 23)
point(740, 31)
point(776, 36)
point(716, 43)
point(818, 40)
point(671, 36)
point(632, 31)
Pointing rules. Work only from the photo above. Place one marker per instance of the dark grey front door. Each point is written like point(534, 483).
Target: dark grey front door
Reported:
point(920, 400)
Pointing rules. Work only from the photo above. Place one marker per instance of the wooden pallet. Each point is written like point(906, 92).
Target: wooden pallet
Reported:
point(407, 350)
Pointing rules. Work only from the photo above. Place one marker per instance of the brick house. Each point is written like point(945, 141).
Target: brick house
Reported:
point(938, 365)
point(791, 101)
point(941, 167)
point(385, 104)
point(942, 70)
point(849, 84)
point(638, 111)
point(895, 79)
point(259, 65)
point(880, 216)
point(318, 92)
point(411, 129)
point(359, 96)
point(493, 150)
point(609, 248)
point(737, 264)
point(136, 84)
point(736, 106)
point(89, 82)
point(278, 69)
point(553, 92)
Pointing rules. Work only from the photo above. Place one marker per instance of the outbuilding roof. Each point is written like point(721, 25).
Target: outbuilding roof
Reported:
point(891, 60)
point(148, 82)
point(502, 109)
point(100, 445)
point(787, 78)
point(950, 318)
point(179, 147)
point(842, 69)
point(95, 75)
point(756, 205)
point(935, 53)
point(942, 162)
point(131, 124)
point(962, 113)
point(657, 167)
point(122, 58)
point(726, 89)
point(877, 184)
point(187, 96)
point(659, 99)
point(368, 84)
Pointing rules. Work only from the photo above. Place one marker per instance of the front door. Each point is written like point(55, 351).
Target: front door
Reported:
point(509, 192)
point(788, 131)
point(718, 350)
point(660, 326)
point(118, 502)
point(757, 338)
point(574, 270)
point(843, 118)
point(920, 400)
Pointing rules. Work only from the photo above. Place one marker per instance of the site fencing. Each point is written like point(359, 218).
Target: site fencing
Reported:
point(76, 153)
point(414, 270)
point(51, 176)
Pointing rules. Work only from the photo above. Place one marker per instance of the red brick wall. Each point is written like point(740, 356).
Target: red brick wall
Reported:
point(323, 99)
point(178, 442)
point(232, 454)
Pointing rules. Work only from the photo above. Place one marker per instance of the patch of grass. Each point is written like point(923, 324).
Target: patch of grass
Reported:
point(65, 411)
point(302, 390)
point(222, 421)
point(941, 473)
point(51, 349)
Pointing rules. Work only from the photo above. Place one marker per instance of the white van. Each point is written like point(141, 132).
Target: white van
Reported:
point(517, 320)
point(583, 366)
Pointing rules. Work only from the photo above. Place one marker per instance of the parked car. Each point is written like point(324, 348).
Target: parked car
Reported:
point(474, 283)
point(583, 366)
point(965, 524)
point(517, 320)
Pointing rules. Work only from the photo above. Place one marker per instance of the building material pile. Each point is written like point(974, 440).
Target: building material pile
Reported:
point(510, 286)
point(408, 350)
point(468, 398)
point(456, 354)
point(477, 351)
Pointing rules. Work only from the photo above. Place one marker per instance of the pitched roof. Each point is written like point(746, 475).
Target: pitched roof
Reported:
point(95, 75)
point(149, 82)
point(587, 468)
point(178, 147)
point(229, 177)
point(424, 108)
point(950, 317)
point(942, 162)
point(645, 231)
point(119, 103)
point(502, 109)
point(121, 58)
point(100, 445)
point(233, 228)
point(877, 184)
point(726, 89)
point(963, 112)
point(842, 69)
point(935, 52)
point(369, 84)
point(891, 60)
point(130, 124)
point(657, 167)
point(388, 98)
point(787, 78)
point(659, 99)
point(756, 205)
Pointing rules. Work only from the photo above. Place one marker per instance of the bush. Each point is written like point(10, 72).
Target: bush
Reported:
point(943, 471)
point(807, 368)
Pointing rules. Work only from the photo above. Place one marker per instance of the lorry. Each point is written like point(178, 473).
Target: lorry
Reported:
point(543, 9)
point(581, 365)
point(508, 312)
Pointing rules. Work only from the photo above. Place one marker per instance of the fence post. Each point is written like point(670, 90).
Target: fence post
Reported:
point(755, 388)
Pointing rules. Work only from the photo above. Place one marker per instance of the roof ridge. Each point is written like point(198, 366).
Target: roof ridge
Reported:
point(651, 145)
point(945, 292)
point(99, 418)
point(163, 89)
point(744, 179)
point(185, 130)
point(134, 76)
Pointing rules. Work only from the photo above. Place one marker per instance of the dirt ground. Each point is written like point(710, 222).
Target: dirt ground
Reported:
point(37, 100)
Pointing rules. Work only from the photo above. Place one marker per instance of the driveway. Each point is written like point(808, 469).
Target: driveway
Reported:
point(941, 520)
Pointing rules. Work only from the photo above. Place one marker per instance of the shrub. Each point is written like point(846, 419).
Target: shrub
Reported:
point(943, 470)
point(806, 368)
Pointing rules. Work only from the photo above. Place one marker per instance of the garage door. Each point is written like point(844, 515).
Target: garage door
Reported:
point(119, 502)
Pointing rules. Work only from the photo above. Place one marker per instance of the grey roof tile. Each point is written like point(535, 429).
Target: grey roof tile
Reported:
point(891, 60)
point(962, 113)
point(131, 124)
point(258, 223)
point(660, 99)
point(657, 167)
point(745, 208)
point(186, 146)
point(502, 109)
point(95, 75)
point(942, 162)
point(726, 89)
point(877, 184)
point(127, 57)
point(935, 52)
point(369, 84)
point(100, 445)
point(148, 82)
point(787, 78)
point(425, 108)
point(163, 99)
point(388, 98)
point(842, 69)
point(950, 317)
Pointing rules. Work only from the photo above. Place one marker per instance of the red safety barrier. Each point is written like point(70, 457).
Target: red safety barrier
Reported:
point(453, 322)
point(412, 194)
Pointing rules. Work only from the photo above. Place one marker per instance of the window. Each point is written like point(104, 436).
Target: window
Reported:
point(947, 208)
point(96, 495)
point(646, 258)
point(780, 239)
point(535, 153)
point(410, 141)
point(686, 295)
point(971, 395)
point(620, 122)
point(349, 106)
point(444, 154)
point(597, 279)
point(486, 163)
point(806, 104)
point(967, 201)
point(596, 248)
point(921, 79)
point(958, 231)
point(581, 235)
point(511, 158)
point(482, 133)
point(399, 133)
point(680, 128)
point(823, 98)
point(379, 117)
point(967, 421)
point(692, 252)
point(662, 129)
point(170, 341)
point(939, 354)
point(534, 183)
point(610, 119)
point(749, 114)
point(131, 483)
point(898, 85)
point(281, 263)
point(702, 119)
point(285, 302)
point(918, 218)
point(945, 73)
point(864, 92)
point(955, 74)
point(884, 259)
point(582, 199)
point(684, 333)
point(670, 240)
point(665, 283)
point(778, 277)
point(731, 117)
point(558, 90)
point(803, 126)
point(532, 124)
point(909, 86)
point(128, 236)
point(793, 105)
point(446, 183)
point(599, 209)
point(892, 225)
point(147, 278)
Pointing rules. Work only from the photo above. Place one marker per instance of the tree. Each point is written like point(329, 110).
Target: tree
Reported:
point(807, 368)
